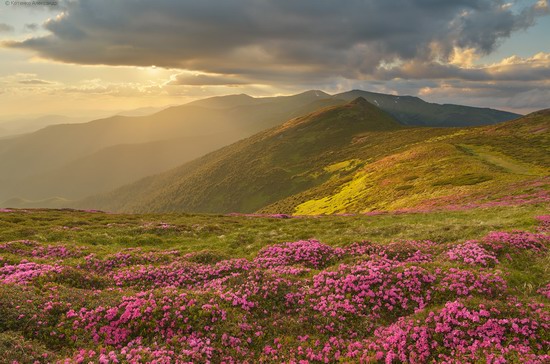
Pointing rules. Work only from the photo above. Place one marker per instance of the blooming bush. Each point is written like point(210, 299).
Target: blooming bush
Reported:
point(298, 302)
point(25, 272)
point(310, 253)
point(517, 241)
point(544, 223)
point(459, 333)
point(472, 253)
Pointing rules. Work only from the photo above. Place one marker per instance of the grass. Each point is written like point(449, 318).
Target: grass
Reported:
point(213, 238)
point(240, 236)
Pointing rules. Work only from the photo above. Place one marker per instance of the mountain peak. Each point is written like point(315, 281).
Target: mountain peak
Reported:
point(314, 93)
point(360, 101)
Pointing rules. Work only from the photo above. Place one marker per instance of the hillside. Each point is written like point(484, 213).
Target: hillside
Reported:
point(350, 158)
point(122, 164)
point(73, 161)
point(62, 155)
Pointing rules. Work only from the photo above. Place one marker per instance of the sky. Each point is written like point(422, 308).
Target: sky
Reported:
point(80, 57)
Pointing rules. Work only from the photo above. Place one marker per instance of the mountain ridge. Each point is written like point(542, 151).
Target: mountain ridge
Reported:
point(282, 147)
point(338, 160)
point(52, 156)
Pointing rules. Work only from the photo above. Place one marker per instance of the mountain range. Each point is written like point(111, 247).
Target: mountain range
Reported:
point(348, 158)
point(296, 149)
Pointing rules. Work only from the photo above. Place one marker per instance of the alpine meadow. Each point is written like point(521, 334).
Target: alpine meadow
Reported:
point(275, 181)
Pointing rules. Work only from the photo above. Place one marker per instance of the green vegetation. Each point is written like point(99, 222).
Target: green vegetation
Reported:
point(352, 158)
point(242, 236)
point(78, 160)
point(84, 284)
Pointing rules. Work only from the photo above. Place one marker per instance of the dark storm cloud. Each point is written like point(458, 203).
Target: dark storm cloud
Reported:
point(278, 39)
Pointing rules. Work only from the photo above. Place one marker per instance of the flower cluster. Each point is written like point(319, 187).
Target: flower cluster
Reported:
point(34, 249)
point(181, 274)
point(458, 333)
point(309, 253)
point(25, 272)
point(295, 302)
point(461, 282)
point(371, 288)
point(472, 253)
point(544, 223)
point(126, 258)
point(517, 241)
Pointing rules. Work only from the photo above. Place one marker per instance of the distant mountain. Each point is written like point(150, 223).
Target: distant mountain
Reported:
point(410, 110)
point(112, 167)
point(349, 158)
point(76, 160)
point(142, 111)
point(29, 125)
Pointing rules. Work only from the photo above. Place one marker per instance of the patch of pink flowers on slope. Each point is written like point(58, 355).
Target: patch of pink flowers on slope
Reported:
point(126, 258)
point(177, 274)
point(25, 272)
point(472, 253)
point(310, 253)
point(300, 302)
point(545, 291)
point(544, 223)
point(33, 249)
point(517, 241)
point(458, 334)
point(417, 251)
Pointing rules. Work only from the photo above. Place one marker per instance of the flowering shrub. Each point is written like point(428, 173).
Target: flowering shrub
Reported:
point(472, 253)
point(544, 223)
point(460, 282)
point(372, 288)
point(517, 241)
point(404, 250)
point(458, 333)
point(25, 272)
point(296, 302)
point(177, 274)
point(126, 258)
point(309, 253)
point(168, 314)
point(545, 291)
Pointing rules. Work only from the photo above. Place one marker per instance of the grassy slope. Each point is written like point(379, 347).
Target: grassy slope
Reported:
point(240, 236)
point(68, 160)
point(257, 171)
point(225, 236)
point(71, 158)
point(461, 166)
point(327, 163)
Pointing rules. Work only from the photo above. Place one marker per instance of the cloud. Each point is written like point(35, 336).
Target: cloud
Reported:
point(537, 99)
point(187, 79)
point(5, 28)
point(276, 40)
point(35, 82)
point(32, 26)
point(430, 48)
point(509, 69)
point(99, 86)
